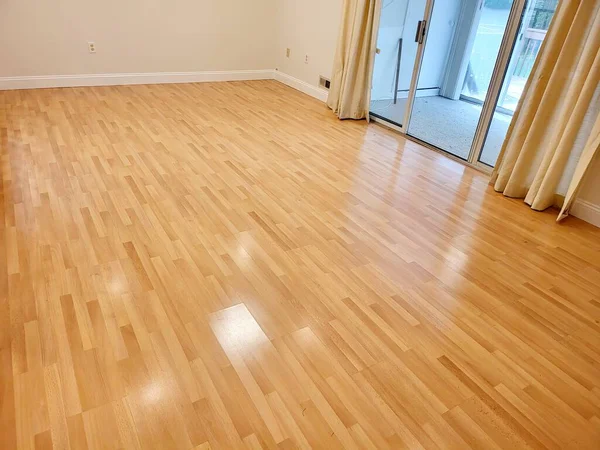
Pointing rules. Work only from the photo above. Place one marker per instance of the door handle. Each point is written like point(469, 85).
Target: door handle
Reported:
point(420, 31)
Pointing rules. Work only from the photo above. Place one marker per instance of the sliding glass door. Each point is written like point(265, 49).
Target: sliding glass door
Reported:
point(535, 20)
point(451, 72)
point(395, 58)
point(463, 43)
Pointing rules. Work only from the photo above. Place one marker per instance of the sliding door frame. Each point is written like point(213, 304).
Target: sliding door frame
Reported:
point(412, 90)
point(402, 128)
point(500, 68)
point(489, 104)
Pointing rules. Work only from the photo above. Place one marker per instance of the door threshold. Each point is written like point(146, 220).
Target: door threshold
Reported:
point(480, 167)
point(484, 168)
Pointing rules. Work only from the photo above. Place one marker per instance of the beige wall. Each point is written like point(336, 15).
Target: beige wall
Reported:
point(133, 36)
point(39, 37)
point(307, 27)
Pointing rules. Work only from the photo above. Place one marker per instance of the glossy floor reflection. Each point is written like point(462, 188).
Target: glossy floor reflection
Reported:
point(226, 265)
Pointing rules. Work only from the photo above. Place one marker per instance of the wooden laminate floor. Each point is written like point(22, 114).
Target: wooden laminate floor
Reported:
point(229, 266)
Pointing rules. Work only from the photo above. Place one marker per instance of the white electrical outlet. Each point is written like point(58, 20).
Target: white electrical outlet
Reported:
point(92, 47)
point(305, 59)
point(287, 52)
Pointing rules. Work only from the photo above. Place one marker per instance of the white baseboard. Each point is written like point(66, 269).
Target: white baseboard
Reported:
point(586, 211)
point(430, 92)
point(302, 86)
point(115, 79)
point(112, 79)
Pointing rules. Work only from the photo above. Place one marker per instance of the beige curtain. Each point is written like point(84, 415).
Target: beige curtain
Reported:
point(542, 139)
point(350, 91)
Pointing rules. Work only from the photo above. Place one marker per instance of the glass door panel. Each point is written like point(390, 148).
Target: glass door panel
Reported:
point(395, 58)
point(480, 68)
point(532, 31)
point(463, 42)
